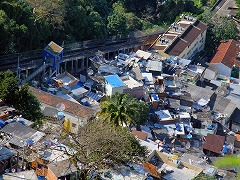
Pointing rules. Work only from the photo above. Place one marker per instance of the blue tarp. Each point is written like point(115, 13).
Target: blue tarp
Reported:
point(225, 149)
point(2, 123)
point(80, 84)
point(30, 142)
point(209, 127)
point(41, 178)
point(178, 127)
point(60, 113)
point(166, 146)
point(189, 136)
point(22, 122)
point(155, 97)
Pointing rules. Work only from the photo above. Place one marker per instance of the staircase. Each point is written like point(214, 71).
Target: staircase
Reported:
point(35, 73)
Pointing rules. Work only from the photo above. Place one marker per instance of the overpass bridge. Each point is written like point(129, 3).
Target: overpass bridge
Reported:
point(76, 56)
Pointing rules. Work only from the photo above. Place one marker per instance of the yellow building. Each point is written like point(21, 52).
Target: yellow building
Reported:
point(183, 38)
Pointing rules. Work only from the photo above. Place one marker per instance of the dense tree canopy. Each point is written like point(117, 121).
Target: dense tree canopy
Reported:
point(31, 24)
point(101, 145)
point(21, 98)
point(219, 29)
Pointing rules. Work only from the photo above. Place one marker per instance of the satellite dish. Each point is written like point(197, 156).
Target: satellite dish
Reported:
point(60, 107)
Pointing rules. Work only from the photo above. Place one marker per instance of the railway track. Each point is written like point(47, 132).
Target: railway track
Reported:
point(86, 49)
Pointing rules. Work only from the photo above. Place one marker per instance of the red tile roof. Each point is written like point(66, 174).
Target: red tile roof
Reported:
point(214, 143)
point(226, 53)
point(71, 107)
point(141, 135)
point(152, 169)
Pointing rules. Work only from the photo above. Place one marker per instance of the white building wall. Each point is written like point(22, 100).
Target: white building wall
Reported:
point(112, 90)
point(108, 89)
point(197, 45)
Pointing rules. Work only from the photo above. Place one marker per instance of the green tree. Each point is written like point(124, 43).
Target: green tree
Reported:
point(27, 104)
point(18, 29)
point(8, 87)
point(20, 97)
point(100, 145)
point(121, 109)
point(132, 21)
point(96, 28)
point(52, 11)
point(117, 24)
point(5, 34)
point(225, 29)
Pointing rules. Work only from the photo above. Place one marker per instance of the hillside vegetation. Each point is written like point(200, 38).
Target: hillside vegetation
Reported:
point(31, 24)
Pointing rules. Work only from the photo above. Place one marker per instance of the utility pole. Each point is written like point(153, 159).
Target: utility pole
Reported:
point(23, 158)
point(17, 161)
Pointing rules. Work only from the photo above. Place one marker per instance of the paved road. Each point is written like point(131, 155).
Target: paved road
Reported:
point(226, 8)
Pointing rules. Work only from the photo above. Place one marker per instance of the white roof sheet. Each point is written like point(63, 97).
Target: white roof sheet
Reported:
point(202, 102)
point(148, 78)
point(154, 65)
point(235, 89)
point(78, 91)
point(171, 128)
point(143, 54)
point(131, 83)
point(184, 62)
point(151, 145)
point(209, 74)
point(184, 115)
point(164, 115)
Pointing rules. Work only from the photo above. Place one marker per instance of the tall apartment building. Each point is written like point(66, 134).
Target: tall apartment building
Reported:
point(183, 38)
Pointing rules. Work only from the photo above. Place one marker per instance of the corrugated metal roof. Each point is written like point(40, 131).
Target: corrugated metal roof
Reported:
point(214, 143)
point(5, 153)
point(21, 133)
point(198, 93)
point(23, 175)
point(154, 65)
point(62, 168)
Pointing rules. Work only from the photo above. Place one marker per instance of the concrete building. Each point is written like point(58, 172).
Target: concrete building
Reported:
point(183, 38)
point(113, 84)
point(51, 104)
point(134, 88)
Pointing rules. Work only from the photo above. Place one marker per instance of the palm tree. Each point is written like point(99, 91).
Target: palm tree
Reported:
point(229, 161)
point(121, 109)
